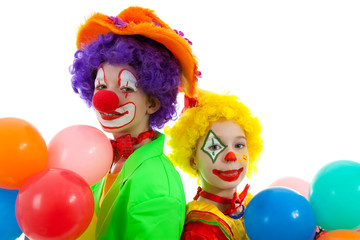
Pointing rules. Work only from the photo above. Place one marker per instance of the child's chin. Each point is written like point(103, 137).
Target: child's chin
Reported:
point(111, 130)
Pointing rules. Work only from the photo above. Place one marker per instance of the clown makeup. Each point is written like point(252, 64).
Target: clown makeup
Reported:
point(122, 116)
point(127, 82)
point(244, 156)
point(100, 78)
point(119, 104)
point(213, 146)
point(221, 156)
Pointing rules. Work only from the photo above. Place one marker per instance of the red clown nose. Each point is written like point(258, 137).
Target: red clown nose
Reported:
point(105, 101)
point(230, 156)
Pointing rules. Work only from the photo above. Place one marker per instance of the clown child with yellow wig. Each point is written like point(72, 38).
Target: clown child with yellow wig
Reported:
point(130, 68)
point(218, 141)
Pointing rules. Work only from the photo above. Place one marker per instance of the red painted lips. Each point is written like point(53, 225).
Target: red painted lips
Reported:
point(112, 116)
point(229, 175)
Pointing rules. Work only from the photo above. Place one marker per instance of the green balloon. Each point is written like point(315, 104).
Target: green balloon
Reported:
point(335, 196)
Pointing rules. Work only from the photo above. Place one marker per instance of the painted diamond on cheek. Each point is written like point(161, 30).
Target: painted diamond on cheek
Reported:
point(213, 146)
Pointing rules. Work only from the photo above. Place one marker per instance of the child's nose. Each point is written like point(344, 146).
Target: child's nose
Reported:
point(105, 101)
point(230, 156)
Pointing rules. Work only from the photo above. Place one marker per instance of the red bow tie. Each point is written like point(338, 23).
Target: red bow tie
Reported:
point(124, 144)
point(234, 202)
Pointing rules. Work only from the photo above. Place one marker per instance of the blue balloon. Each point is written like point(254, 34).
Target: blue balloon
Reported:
point(279, 213)
point(9, 228)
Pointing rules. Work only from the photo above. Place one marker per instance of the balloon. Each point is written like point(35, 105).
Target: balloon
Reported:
point(335, 195)
point(294, 183)
point(340, 235)
point(279, 213)
point(22, 152)
point(9, 228)
point(82, 149)
point(54, 204)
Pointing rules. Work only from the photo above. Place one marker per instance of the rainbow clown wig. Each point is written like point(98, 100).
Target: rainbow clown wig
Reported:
point(195, 122)
point(161, 57)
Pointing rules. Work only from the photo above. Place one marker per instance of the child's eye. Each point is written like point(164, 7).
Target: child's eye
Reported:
point(101, 87)
point(239, 145)
point(126, 89)
point(214, 147)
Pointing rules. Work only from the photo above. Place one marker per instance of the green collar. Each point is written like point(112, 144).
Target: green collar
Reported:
point(147, 151)
point(152, 149)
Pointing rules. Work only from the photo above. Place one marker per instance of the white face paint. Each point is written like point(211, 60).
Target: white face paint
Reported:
point(122, 116)
point(127, 81)
point(132, 110)
point(100, 78)
point(213, 146)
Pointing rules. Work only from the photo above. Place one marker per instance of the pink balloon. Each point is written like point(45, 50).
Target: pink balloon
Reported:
point(294, 183)
point(83, 149)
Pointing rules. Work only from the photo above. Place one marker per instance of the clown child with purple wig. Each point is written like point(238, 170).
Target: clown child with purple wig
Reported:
point(130, 68)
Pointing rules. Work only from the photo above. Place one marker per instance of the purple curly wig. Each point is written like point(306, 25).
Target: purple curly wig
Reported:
point(157, 70)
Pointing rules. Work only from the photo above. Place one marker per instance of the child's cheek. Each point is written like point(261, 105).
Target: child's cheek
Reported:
point(244, 157)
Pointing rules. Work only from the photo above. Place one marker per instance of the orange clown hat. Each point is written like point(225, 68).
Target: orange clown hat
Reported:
point(141, 21)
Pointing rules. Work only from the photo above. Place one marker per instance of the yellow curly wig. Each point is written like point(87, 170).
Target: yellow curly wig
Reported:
point(194, 123)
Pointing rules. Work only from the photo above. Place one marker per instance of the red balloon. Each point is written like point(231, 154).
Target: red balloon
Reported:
point(54, 204)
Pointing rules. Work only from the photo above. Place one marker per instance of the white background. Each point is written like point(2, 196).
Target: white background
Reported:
point(294, 63)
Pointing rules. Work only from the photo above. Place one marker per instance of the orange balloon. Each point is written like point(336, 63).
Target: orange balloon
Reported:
point(341, 235)
point(23, 152)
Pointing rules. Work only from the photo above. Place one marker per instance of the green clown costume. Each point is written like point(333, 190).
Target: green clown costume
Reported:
point(131, 206)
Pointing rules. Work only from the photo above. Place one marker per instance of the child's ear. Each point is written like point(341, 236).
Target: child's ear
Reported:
point(153, 105)
point(193, 164)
